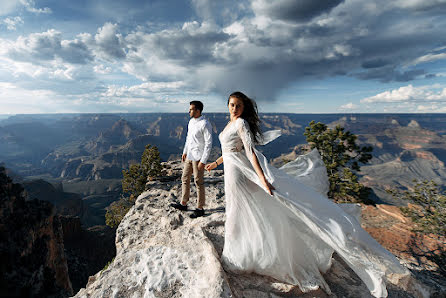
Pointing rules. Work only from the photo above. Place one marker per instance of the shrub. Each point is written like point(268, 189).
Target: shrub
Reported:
point(429, 216)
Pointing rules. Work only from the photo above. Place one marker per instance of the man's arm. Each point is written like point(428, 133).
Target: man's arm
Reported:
point(207, 136)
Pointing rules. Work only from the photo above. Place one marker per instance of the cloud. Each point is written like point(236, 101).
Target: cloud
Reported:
point(109, 42)
point(260, 47)
point(270, 48)
point(144, 90)
point(174, 54)
point(31, 7)
point(38, 48)
point(17, 100)
point(428, 58)
point(222, 12)
point(408, 94)
point(349, 106)
point(10, 6)
point(431, 109)
point(290, 10)
point(101, 69)
point(420, 5)
point(11, 23)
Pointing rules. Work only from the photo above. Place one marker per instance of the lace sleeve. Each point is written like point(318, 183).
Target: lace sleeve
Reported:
point(247, 138)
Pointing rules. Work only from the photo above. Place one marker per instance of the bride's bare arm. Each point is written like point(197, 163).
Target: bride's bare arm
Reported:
point(256, 165)
point(248, 144)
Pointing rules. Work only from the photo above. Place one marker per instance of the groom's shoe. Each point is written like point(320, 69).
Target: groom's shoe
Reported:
point(179, 206)
point(197, 213)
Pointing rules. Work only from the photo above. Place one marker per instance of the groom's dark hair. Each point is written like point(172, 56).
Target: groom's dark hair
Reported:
point(198, 105)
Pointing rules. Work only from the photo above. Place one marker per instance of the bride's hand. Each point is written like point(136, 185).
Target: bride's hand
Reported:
point(269, 187)
point(210, 166)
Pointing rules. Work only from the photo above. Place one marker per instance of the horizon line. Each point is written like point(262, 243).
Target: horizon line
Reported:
point(204, 113)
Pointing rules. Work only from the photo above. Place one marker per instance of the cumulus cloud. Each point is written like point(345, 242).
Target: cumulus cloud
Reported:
point(41, 47)
point(109, 42)
point(408, 94)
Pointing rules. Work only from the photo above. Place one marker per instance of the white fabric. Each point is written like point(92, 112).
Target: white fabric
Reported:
point(291, 236)
point(270, 135)
point(310, 170)
point(199, 139)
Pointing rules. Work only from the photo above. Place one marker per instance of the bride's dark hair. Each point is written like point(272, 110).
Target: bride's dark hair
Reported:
point(250, 114)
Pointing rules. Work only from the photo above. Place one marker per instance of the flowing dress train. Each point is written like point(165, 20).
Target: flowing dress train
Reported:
point(292, 235)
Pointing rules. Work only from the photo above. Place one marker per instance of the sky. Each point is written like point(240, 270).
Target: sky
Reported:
point(291, 56)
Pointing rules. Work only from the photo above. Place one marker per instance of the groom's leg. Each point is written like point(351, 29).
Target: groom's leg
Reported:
point(199, 183)
point(185, 181)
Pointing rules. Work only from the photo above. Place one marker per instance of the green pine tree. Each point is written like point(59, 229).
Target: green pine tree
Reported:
point(134, 180)
point(342, 157)
point(151, 162)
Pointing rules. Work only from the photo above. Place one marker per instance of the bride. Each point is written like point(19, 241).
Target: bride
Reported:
point(279, 222)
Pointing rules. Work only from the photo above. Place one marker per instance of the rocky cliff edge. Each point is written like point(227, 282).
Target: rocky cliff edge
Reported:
point(161, 252)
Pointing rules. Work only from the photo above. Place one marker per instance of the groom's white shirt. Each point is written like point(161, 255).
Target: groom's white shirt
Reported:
point(199, 139)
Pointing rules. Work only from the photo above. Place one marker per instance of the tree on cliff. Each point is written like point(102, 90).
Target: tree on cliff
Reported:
point(133, 184)
point(342, 157)
point(429, 215)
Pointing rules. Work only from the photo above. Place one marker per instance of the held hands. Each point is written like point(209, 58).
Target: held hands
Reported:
point(210, 166)
point(183, 157)
point(200, 166)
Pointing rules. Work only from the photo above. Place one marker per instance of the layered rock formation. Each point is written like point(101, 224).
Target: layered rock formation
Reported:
point(161, 252)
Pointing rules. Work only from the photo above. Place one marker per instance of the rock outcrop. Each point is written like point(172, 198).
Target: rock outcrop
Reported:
point(161, 252)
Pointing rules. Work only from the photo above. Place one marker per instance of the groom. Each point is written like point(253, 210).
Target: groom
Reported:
point(195, 154)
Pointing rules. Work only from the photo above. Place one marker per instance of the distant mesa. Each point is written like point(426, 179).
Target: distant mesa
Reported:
point(413, 124)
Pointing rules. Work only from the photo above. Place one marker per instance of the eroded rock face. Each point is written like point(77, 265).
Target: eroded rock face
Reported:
point(394, 231)
point(161, 252)
point(32, 259)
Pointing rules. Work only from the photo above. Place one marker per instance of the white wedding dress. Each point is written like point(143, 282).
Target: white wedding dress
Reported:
point(292, 235)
